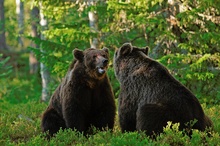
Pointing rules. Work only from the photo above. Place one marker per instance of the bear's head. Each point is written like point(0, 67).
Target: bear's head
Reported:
point(127, 58)
point(94, 60)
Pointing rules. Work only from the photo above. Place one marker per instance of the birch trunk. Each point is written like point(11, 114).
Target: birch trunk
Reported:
point(33, 63)
point(93, 23)
point(44, 71)
point(3, 45)
point(20, 19)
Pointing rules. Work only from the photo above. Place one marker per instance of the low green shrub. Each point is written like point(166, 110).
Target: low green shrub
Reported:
point(20, 125)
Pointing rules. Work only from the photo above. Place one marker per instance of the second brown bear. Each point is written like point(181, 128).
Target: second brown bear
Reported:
point(150, 96)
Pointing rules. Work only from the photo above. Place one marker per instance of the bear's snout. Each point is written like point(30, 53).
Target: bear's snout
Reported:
point(105, 62)
point(101, 61)
point(102, 64)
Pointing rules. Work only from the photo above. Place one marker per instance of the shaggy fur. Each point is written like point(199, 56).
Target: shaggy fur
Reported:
point(85, 96)
point(150, 96)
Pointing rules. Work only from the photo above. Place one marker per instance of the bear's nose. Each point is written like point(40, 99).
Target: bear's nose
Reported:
point(105, 61)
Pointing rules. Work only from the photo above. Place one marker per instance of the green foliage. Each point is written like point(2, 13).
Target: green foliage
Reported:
point(55, 56)
point(10, 22)
point(194, 72)
point(11, 25)
point(183, 36)
point(16, 87)
point(4, 70)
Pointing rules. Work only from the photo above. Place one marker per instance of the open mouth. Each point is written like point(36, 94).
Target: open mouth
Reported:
point(101, 70)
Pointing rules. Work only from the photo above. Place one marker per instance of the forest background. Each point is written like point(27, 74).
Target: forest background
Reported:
point(36, 43)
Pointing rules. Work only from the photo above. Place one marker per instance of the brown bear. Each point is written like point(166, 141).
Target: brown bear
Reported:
point(150, 96)
point(84, 98)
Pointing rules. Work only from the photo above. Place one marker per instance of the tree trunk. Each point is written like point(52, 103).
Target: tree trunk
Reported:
point(45, 75)
point(93, 22)
point(20, 19)
point(33, 63)
point(3, 45)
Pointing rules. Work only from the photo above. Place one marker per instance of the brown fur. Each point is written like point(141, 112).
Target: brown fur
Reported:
point(150, 96)
point(85, 96)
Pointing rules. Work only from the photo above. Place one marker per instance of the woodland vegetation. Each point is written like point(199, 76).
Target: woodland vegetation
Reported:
point(36, 42)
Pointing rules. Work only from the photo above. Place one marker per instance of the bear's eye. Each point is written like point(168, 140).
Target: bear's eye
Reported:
point(104, 55)
point(94, 56)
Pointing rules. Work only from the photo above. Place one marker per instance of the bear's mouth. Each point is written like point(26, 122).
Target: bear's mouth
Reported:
point(101, 70)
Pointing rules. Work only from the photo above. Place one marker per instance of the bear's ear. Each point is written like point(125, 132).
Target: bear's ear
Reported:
point(146, 50)
point(105, 49)
point(125, 49)
point(78, 54)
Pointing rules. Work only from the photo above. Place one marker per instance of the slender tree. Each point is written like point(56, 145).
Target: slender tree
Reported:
point(3, 45)
point(45, 75)
point(93, 22)
point(33, 63)
point(20, 19)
